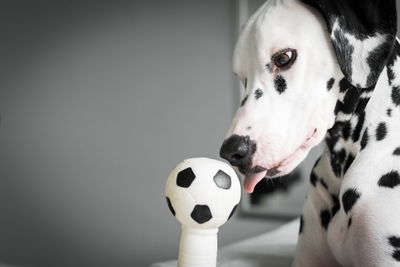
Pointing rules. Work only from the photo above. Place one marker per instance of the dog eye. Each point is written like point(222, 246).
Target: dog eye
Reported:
point(284, 59)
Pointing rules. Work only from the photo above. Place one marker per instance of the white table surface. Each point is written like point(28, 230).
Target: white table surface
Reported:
point(272, 249)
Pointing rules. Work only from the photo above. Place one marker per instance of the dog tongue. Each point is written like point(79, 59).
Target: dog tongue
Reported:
point(251, 180)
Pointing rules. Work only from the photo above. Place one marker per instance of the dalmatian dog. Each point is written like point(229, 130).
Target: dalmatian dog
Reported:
point(329, 70)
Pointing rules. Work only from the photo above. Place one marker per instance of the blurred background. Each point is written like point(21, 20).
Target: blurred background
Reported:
point(99, 100)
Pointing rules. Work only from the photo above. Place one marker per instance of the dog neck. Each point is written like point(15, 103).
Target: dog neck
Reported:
point(365, 116)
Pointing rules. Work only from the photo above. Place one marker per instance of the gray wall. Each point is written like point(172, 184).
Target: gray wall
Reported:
point(99, 101)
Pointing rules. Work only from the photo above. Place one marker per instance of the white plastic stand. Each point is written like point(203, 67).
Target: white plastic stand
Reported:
point(202, 194)
point(198, 247)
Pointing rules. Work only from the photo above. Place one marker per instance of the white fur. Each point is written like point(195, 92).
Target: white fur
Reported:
point(277, 121)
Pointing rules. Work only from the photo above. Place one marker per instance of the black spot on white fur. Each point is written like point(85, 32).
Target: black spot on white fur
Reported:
point(346, 130)
point(349, 223)
point(362, 104)
point(323, 183)
point(391, 60)
point(325, 217)
point(390, 65)
point(340, 155)
point(258, 93)
point(349, 161)
point(344, 85)
point(364, 139)
point(313, 179)
point(280, 84)
point(337, 160)
point(390, 179)
point(336, 167)
point(269, 67)
point(390, 74)
point(350, 100)
point(389, 112)
point(396, 152)
point(338, 106)
point(336, 205)
point(396, 255)
point(394, 241)
point(381, 131)
point(330, 83)
point(396, 95)
point(244, 100)
point(350, 198)
point(359, 125)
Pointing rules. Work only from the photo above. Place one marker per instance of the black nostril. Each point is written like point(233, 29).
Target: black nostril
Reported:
point(237, 150)
point(237, 157)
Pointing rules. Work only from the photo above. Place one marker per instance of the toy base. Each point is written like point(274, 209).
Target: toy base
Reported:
point(198, 247)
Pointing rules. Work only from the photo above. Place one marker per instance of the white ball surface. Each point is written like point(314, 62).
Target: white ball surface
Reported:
point(203, 192)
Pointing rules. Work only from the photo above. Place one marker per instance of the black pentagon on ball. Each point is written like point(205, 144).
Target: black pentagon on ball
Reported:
point(222, 180)
point(185, 177)
point(170, 206)
point(201, 214)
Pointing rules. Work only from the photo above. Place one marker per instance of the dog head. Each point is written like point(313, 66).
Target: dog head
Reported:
point(297, 61)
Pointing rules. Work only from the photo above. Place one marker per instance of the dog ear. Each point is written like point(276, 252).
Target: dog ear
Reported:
point(363, 33)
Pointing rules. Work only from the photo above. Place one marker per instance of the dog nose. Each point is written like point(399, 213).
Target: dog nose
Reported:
point(237, 150)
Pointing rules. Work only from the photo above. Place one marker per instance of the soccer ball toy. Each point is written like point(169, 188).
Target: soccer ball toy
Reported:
point(203, 194)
